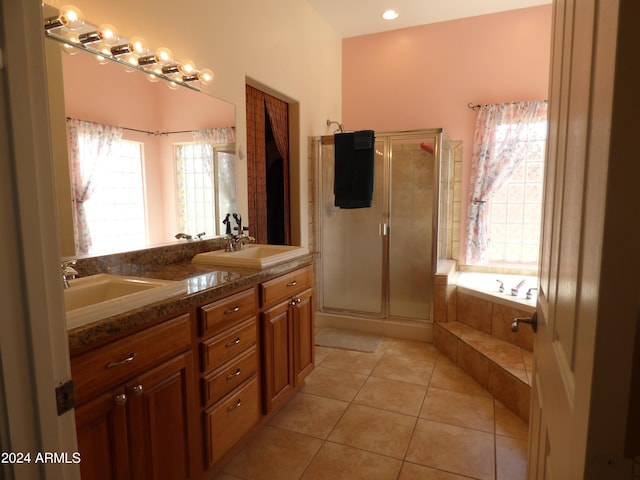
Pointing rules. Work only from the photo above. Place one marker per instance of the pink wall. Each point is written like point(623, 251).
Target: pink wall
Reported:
point(424, 77)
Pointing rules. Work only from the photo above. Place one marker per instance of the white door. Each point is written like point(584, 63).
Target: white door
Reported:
point(579, 419)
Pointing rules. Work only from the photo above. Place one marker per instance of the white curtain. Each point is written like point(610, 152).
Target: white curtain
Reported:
point(89, 144)
point(205, 139)
point(502, 141)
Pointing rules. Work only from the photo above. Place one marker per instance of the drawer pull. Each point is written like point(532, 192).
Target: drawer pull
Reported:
point(120, 399)
point(292, 284)
point(137, 390)
point(295, 301)
point(232, 310)
point(237, 405)
point(129, 359)
point(233, 375)
point(231, 344)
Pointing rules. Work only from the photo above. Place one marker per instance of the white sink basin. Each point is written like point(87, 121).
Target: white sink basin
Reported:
point(252, 256)
point(95, 297)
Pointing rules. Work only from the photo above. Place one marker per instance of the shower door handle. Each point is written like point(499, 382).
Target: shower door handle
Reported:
point(383, 229)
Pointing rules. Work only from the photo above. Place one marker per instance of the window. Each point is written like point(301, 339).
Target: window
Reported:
point(206, 184)
point(506, 184)
point(516, 210)
point(115, 211)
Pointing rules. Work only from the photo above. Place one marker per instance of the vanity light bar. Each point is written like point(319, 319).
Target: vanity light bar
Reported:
point(105, 42)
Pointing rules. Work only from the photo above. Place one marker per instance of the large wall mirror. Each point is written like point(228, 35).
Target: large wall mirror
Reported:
point(174, 171)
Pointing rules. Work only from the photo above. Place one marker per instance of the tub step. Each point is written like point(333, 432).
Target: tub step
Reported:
point(501, 367)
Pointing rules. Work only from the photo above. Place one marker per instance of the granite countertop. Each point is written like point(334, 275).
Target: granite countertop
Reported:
point(204, 285)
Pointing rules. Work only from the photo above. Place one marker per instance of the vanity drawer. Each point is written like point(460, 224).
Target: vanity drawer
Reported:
point(228, 421)
point(283, 287)
point(224, 313)
point(225, 379)
point(103, 368)
point(222, 348)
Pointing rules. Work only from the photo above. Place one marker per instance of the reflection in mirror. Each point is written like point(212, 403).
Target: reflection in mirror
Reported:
point(136, 162)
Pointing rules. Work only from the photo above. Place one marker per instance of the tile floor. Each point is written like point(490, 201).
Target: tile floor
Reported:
point(403, 412)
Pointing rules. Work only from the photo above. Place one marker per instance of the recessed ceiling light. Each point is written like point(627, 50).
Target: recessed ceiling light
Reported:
point(390, 15)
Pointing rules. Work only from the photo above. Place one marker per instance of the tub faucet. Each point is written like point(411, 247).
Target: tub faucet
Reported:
point(529, 292)
point(183, 235)
point(68, 272)
point(514, 290)
point(501, 287)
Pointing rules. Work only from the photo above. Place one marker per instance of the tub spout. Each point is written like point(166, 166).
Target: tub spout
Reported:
point(529, 294)
point(514, 290)
point(501, 287)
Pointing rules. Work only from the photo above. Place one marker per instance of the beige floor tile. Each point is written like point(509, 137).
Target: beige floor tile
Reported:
point(335, 384)
point(274, 454)
point(404, 369)
point(310, 414)
point(454, 449)
point(449, 376)
point(413, 350)
point(383, 346)
point(509, 424)
point(411, 471)
point(511, 458)
point(340, 462)
point(374, 430)
point(322, 353)
point(399, 397)
point(225, 476)
point(352, 362)
point(462, 409)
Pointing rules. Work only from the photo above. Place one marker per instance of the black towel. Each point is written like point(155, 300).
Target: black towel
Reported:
point(354, 161)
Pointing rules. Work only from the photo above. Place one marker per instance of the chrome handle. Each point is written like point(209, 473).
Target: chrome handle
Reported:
point(292, 284)
point(237, 405)
point(120, 399)
point(233, 375)
point(533, 321)
point(231, 344)
point(232, 310)
point(137, 390)
point(129, 359)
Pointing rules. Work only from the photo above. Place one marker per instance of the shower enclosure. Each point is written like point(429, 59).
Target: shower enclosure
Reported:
point(377, 264)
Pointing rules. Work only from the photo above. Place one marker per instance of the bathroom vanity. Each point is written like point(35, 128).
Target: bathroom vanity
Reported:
point(169, 390)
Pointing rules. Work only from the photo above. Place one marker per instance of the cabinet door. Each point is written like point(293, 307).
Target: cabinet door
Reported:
point(101, 426)
point(277, 351)
point(303, 332)
point(161, 421)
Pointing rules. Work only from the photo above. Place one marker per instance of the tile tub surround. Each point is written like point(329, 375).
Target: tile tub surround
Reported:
point(402, 412)
point(473, 329)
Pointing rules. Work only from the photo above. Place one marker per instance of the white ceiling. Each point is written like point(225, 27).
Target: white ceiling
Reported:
point(352, 18)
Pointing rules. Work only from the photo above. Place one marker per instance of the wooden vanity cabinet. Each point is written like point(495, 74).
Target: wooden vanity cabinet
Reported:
point(287, 322)
point(134, 418)
point(229, 372)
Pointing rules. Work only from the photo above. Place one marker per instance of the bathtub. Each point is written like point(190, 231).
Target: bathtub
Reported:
point(487, 286)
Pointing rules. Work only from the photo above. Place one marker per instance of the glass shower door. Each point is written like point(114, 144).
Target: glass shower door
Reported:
point(411, 227)
point(352, 244)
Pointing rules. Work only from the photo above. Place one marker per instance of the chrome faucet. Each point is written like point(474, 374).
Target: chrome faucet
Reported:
point(529, 292)
point(183, 235)
point(237, 242)
point(514, 290)
point(68, 272)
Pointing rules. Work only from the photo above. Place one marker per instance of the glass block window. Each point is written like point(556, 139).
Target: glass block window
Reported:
point(516, 209)
point(115, 210)
point(206, 186)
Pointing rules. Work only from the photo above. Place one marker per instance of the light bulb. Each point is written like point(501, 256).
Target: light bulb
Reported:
point(153, 78)
point(108, 34)
point(173, 86)
point(206, 76)
point(164, 56)
point(390, 15)
point(138, 45)
point(187, 67)
point(101, 58)
point(71, 17)
point(69, 49)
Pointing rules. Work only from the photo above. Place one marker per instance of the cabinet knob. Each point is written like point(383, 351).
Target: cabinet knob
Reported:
point(121, 399)
point(295, 301)
point(137, 390)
